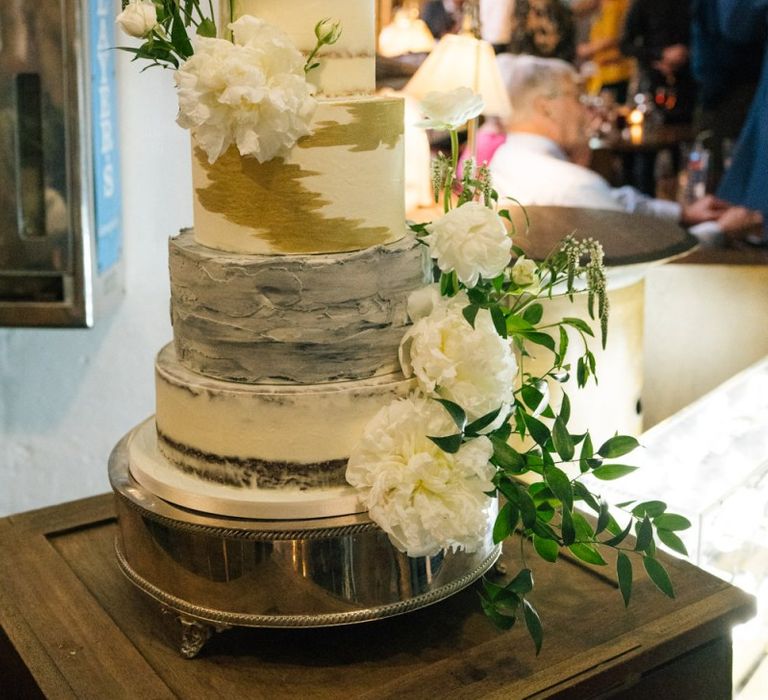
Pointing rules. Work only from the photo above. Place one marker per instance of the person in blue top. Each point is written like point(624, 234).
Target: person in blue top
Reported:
point(746, 181)
point(727, 73)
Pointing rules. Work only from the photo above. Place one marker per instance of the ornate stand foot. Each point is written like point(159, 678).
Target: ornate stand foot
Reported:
point(194, 635)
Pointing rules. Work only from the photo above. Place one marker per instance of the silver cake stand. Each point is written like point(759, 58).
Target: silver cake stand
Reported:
point(216, 572)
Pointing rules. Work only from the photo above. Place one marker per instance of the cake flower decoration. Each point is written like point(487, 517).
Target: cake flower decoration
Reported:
point(480, 416)
point(472, 240)
point(249, 90)
point(525, 273)
point(138, 18)
point(471, 366)
point(424, 498)
point(327, 32)
point(449, 111)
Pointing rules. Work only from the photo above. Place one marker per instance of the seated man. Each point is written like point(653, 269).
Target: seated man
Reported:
point(547, 140)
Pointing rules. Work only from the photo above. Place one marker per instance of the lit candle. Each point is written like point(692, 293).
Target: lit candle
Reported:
point(636, 133)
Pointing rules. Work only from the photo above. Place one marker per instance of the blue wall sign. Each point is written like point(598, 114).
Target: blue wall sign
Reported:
point(105, 146)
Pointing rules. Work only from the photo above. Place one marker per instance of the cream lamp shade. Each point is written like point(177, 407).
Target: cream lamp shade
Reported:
point(406, 34)
point(461, 60)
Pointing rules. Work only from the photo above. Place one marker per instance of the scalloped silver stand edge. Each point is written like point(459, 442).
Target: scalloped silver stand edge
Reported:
point(216, 572)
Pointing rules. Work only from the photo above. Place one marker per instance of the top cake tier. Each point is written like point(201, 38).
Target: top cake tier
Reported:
point(347, 68)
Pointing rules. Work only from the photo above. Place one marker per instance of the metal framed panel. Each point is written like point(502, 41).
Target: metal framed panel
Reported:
point(48, 193)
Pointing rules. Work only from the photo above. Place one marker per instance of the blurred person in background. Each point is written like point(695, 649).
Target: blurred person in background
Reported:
point(657, 33)
point(542, 160)
point(442, 16)
point(543, 28)
point(496, 23)
point(613, 70)
point(727, 73)
point(582, 11)
point(746, 180)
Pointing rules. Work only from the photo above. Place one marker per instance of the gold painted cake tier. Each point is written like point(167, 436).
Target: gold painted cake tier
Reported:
point(339, 189)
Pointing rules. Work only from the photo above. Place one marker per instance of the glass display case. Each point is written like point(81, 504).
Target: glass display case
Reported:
point(709, 462)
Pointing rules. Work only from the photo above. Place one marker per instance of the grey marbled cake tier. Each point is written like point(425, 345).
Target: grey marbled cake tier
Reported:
point(300, 319)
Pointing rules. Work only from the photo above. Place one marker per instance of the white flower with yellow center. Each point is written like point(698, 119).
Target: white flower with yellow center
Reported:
point(425, 499)
point(251, 92)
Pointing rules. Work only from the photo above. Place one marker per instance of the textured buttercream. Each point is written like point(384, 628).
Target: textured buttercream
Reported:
point(348, 66)
point(264, 435)
point(298, 318)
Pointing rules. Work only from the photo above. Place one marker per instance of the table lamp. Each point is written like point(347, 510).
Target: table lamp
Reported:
point(463, 60)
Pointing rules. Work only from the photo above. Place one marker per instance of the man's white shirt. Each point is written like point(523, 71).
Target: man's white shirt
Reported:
point(536, 171)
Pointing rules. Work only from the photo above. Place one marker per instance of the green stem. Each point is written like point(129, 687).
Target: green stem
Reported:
point(447, 192)
point(311, 56)
point(454, 151)
point(231, 18)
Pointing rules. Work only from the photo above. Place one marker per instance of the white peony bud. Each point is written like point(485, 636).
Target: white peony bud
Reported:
point(524, 272)
point(138, 18)
point(471, 239)
point(450, 110)
point(328, 31)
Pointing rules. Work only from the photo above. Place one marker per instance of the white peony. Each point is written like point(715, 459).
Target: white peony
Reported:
point(450, 110)
point(471, 239)
point(138, 18)
point(524, 272)
point(252, 93)
point(425, 499)
point(473, 367)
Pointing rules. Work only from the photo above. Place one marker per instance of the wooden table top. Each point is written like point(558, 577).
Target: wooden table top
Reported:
point(82, 630)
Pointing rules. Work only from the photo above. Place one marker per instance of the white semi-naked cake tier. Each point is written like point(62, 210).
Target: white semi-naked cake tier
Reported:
point(338, 189)
point(300, 318)
point(264, 436)
point(347, 67)
point(152, 470)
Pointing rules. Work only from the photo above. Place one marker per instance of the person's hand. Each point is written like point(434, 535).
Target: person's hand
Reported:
point(708, 208)
point(737, 222)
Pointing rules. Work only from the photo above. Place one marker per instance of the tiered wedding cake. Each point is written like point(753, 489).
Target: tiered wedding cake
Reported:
point(288, 299)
